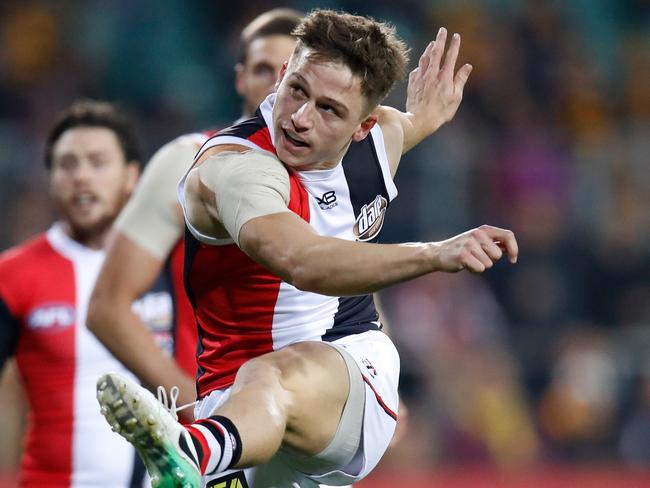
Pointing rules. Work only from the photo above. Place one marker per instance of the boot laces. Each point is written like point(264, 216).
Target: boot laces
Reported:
point(169, 403)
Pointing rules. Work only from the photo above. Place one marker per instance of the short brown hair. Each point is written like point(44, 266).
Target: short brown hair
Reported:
point(371, 49)
point(94, 113)
point(274, 22)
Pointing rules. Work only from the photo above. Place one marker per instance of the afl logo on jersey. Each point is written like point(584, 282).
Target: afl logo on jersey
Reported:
point(52, 317)
point(370, 219)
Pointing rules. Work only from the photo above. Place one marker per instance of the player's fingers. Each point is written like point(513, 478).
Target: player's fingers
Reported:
point(472, 246)
point(449, 65)
point(492, 249)
point(413, 75)
point(472, 263)
point(506, 240)
point(423, 63)
point(462, 76)
point(438, 49)
point(480, 255)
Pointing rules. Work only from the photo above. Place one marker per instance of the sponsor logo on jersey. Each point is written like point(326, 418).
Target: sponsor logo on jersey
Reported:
point(370, 219)
point(328, 200)
point(233, 480)
point(52, 317)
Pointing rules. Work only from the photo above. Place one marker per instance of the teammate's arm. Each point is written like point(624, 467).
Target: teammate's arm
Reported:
point(219, 191)
point(434, 94)
point(128, 272)
point(144, 234)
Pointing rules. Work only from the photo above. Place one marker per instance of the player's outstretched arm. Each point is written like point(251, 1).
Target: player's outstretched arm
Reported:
point(434, 93)
point(289, 247)
point(249, 202)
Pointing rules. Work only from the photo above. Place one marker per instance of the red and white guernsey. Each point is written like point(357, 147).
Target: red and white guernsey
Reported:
point(243, 310)
point(45, 286)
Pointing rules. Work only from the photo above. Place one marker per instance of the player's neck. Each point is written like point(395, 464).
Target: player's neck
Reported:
point(330, 164)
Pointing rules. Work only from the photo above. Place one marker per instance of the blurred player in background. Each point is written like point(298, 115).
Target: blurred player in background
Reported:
point(148, 234)
point(93, 161)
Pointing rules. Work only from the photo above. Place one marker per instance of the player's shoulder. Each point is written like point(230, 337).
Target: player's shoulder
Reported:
point(244, 172)
point(28, 253)
point(244, 128)
point(387, 116)
point(246, 161)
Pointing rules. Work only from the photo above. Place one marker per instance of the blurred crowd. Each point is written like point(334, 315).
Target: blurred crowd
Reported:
point(548, 360)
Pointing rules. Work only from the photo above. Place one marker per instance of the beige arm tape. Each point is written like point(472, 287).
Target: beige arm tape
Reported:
point(152, 217)
point(246, 185)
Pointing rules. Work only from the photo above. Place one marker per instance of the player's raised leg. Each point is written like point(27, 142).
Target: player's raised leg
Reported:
point(274, 402)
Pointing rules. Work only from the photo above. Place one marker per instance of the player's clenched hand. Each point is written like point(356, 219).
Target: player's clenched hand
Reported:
point(475, 250)
point(435, 91)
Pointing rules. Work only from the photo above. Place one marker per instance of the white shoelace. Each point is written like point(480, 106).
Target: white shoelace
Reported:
point(170, 405)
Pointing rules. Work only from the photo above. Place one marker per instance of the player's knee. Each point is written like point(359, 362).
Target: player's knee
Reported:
point(291, 366)
point(265, 378)
point(259, 371)
point(275, 367)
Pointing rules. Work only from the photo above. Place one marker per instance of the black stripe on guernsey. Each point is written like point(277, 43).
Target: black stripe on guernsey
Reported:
point(191, 247)
point(246, 128)
point(364, 175)
point(354, 316)
point(365, 180)
point(137, 476)
point(9, 333)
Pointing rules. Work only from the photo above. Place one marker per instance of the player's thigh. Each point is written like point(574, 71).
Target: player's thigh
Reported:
point(316, 379)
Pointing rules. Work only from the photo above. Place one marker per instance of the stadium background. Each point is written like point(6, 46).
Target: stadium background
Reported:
point(532, 375)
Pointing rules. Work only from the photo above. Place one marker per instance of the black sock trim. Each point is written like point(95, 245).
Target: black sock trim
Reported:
point(232, 430)
point(216, 433)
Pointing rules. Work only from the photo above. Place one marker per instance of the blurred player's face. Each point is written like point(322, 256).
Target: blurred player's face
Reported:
point(318, 111)
point(90, 180)
point(257, 76)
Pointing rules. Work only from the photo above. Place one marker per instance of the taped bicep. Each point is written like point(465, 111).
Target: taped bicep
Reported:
point(245, 185)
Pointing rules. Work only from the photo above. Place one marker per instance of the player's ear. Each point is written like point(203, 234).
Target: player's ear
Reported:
point(239, 79)
point(283, 70)
point(364, 128)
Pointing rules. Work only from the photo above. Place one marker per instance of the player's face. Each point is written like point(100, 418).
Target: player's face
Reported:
point(318, 111)
point(256, 78)
point(90, 180)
